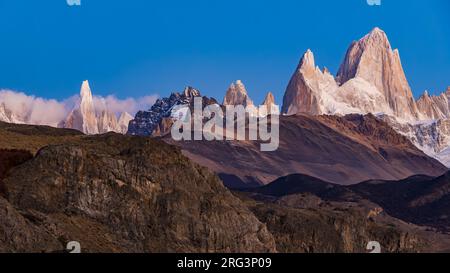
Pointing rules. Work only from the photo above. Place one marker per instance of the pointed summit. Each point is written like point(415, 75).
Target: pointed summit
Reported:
point(307, 88)
point(83, 117)
point(308, 60)
point(191, 92)
point(87, 110)
point(237, 95)
point(376, 35)
point(85, 90)
point(432, 107)
point(373, 60)
point(269, 100)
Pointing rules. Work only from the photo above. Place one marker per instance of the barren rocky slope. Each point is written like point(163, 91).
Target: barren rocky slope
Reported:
point(342, 150)
point(124, 194)
point(115, 193)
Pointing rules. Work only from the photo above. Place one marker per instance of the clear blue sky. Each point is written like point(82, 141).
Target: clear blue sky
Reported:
point(141, 47)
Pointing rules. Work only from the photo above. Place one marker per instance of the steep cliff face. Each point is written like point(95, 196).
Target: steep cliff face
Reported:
point(89, 119)
point(331, 230)
point(131, 194)
point(82, 117)
point(308, 88)
point(115, 193)
point(370, 80)
point(373, 60)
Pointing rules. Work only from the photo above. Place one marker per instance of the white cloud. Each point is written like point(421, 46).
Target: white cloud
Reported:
point(33, 110)
point(41, 111)
point(130, 105)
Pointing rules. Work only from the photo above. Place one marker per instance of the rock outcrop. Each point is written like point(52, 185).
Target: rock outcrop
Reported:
point(307, 89)
point(237, 95)
point(115, 193)
point(158, 120)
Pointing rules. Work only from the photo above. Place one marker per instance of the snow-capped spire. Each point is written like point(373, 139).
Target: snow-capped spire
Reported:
point(87, 110)
point(307, 87)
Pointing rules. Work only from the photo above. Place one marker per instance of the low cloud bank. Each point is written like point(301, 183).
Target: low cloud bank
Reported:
point(130, 105)
point(40, 111)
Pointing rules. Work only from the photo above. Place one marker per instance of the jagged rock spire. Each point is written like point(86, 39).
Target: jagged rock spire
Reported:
point(269, 100)
point(372, 59)
point(305, 89)
point(237, 95)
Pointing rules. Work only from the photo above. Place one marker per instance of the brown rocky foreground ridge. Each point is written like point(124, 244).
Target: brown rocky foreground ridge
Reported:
point(115, 193)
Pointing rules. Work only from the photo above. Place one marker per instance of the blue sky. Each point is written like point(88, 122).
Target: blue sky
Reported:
point(141, 47)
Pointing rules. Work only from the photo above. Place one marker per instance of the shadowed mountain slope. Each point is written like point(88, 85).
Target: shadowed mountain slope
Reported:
point(342, 150)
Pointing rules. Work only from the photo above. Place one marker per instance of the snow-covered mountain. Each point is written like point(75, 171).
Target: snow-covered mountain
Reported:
point(89, 120)
point(371, 80)
point(8, 116)
point(158, 120)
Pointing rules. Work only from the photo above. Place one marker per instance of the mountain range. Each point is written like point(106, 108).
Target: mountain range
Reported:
point(115, 193)
point(343, 150)
point(359, 160)
point(371, 80)
point(86, 116)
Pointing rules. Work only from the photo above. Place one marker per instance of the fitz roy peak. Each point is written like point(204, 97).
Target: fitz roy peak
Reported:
point(371, 79)
point(373, 60)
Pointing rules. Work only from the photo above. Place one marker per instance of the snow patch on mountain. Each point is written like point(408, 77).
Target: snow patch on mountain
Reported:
point(371, 80)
